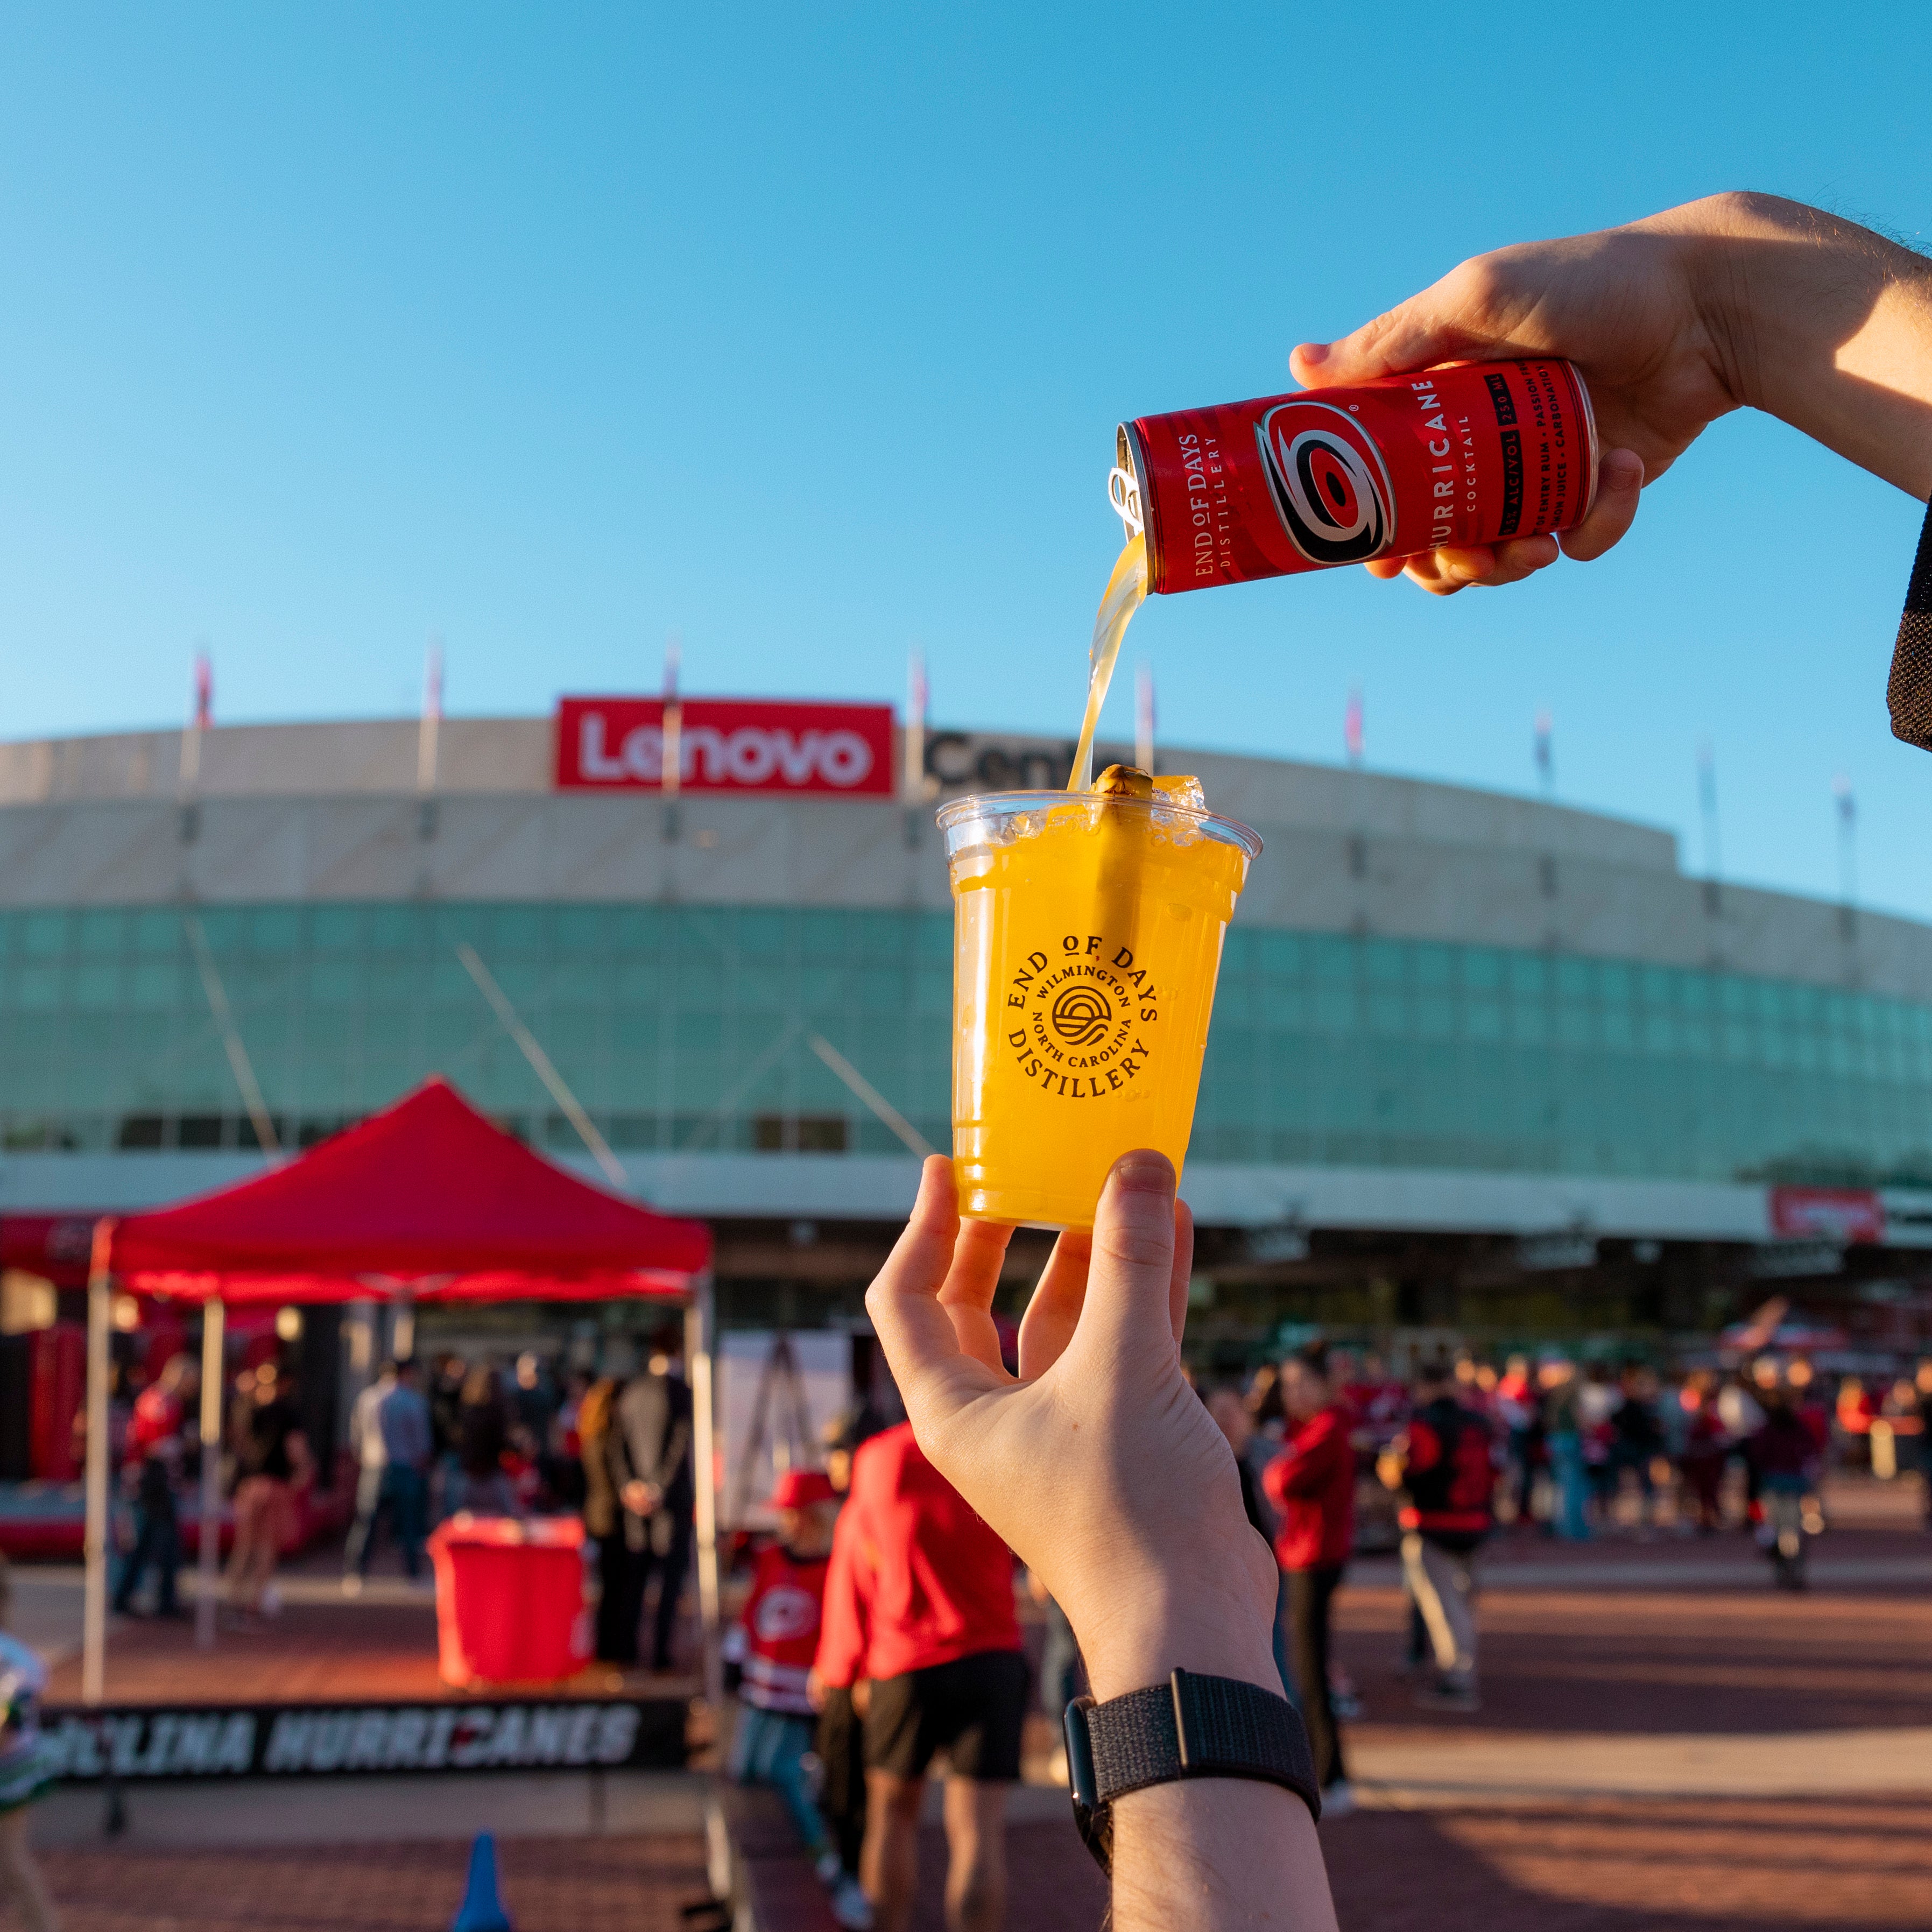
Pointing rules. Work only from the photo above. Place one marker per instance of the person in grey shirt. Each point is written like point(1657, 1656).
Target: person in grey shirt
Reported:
point(389, 1430)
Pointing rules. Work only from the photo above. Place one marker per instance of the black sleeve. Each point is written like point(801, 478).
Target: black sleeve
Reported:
point(1248, 1499)
point(1909, 694)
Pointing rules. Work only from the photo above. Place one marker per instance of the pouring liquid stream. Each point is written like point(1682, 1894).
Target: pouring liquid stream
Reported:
point(1126, 591)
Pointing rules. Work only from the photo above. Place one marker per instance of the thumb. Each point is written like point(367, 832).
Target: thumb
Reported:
point(1130, 1277)
point(1416, 334)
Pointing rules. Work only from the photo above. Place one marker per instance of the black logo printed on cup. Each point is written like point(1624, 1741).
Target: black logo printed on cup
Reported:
point(1081, 1016)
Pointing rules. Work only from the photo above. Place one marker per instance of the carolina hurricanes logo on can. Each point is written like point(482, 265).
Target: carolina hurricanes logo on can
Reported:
point(1330, 484)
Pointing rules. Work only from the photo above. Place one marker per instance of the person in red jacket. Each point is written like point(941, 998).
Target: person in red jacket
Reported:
point(773, 1644)
point(1312, 1484)
point(919, 1601)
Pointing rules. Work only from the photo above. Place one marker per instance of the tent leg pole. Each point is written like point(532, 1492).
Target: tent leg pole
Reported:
point(208, 1555)
point(93, 1600)
point(701, 1324)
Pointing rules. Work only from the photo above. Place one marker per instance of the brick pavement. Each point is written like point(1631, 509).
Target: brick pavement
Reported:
point(1718, 1660)
point(1606, 1867)
point(1594, 1660)
point(556, 1885)
point(313, 1652)
point(1634, 1867)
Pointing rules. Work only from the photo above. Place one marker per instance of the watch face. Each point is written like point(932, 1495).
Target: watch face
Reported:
point(1094, 1820)
point(1096, 1826)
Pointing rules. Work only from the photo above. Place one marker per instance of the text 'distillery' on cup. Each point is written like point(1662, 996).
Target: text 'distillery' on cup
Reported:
point(1087, 936)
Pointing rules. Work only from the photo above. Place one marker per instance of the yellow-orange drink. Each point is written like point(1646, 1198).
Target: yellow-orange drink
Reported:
point(1088, 938)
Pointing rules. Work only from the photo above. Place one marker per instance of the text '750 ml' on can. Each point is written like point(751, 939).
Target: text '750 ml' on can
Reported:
point(1473, 453)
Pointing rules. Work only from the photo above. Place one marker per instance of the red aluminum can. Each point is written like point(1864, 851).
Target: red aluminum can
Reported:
point(1472, 453)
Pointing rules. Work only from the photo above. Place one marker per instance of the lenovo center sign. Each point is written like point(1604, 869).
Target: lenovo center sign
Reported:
point(606, 744)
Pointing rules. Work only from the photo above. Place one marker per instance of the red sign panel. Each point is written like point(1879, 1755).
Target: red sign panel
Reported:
point(1843, 1214)
point(617, 744)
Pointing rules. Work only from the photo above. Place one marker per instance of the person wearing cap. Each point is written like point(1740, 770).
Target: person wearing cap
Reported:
point(773, 1643)
point(919, 1602)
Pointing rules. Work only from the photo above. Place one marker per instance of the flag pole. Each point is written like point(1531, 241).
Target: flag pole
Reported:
point(671, 772)
point(429, 734)
point(916, 787)
point(201, 715)
point(913, 777)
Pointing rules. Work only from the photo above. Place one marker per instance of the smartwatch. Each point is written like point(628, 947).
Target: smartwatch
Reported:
point(1190, 1726)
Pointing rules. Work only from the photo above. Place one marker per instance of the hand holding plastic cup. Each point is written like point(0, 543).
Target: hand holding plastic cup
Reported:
point(1088, 937)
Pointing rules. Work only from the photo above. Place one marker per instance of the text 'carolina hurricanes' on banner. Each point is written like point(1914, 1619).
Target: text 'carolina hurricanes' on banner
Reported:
point(726, 745)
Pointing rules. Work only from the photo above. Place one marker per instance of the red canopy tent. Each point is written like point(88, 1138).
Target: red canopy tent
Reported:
point(427, 1200)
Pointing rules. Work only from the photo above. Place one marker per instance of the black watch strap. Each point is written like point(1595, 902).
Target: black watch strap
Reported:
point(1909, 695)
point(1190, 1726)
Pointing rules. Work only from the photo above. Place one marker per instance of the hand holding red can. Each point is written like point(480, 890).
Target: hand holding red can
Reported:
point(1464, 455)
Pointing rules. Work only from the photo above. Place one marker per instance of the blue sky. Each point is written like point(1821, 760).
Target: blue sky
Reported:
point(803, 331)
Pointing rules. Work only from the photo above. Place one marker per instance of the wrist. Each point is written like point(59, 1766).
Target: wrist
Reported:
point(1783, 292)
point(1216, 1633)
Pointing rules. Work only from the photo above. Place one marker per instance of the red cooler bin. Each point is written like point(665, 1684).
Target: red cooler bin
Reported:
point(509, 1600)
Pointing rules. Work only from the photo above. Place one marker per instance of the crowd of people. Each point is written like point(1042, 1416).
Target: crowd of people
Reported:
point(493, 1439)
point(878, 1635)
point(1544, 1446)
point(616, 1447)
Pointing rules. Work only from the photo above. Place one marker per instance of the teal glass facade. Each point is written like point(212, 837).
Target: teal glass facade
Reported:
point(689, 1027)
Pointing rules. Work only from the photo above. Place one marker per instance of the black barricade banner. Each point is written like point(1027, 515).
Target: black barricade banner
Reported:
point(160, 1743)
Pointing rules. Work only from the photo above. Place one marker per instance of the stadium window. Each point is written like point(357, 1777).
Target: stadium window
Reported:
point(274, 930)
point(45, 933)
point(157, 933)
point(100, 934)
point(799, 1133)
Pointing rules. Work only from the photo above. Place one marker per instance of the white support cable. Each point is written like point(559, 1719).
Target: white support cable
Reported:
point(541, 1066)
point(889, 1115)
point(238, 1061)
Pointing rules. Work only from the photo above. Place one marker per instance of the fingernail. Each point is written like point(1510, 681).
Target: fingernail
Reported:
point(1313, 352)
point(1144, 1172)
point(1625, 469)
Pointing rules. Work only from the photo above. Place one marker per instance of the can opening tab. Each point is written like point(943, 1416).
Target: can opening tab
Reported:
point(1123, 485)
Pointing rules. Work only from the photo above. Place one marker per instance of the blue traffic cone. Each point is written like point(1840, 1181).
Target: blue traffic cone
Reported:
point(482, 1907)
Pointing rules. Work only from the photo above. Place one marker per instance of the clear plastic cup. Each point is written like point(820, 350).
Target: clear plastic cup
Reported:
point(1087, 935)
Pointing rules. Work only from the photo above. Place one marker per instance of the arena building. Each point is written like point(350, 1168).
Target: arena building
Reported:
point(1476, 1060)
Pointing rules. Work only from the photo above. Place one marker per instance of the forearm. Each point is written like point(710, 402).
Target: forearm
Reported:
point(1820, 323)
point(1215, 1854)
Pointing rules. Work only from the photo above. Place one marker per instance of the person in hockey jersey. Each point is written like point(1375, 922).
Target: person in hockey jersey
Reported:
point(772, 1645)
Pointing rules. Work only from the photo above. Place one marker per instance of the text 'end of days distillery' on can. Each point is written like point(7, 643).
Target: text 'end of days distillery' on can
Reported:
point(1474, 453)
